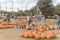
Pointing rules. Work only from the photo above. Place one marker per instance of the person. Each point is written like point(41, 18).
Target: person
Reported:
point(39, 20)
point(42, 19)
point(29, 19)
point(17, 25)
point(57, 23)
point(34, 23)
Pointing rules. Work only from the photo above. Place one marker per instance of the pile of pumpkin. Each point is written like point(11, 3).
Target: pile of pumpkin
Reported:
point(39, 27)
point(39, 32)
point(22, 23)
point(7, 25)
point(12, 24)
point(50, 20)
point(34, 34)
point(44, 27)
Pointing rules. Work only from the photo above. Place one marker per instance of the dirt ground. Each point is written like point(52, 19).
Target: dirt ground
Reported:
point(14, 34)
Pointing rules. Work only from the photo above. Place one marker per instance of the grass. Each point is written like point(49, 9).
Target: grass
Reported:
point(46, 39)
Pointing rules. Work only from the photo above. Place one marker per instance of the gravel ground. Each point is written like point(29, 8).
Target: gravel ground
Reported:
point(14, 34)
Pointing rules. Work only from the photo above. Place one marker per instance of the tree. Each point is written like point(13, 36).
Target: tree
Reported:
point(33, 10)
point(57, 9)
point(20, 12)
point(46, 7)
point(27, 12)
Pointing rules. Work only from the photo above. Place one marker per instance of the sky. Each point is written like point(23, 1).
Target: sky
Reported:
point(20, 4)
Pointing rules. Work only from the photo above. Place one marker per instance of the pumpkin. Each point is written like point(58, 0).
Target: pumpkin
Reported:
point(29, 32)
point(31, 35)
point(34, 33)
point(26, 35)
point(41, 30)
point(44, 27)
point(7, 26)
point(33, 25)
point(48, 36)
point(48, 20)
point(25, 21)
point(52, 35)
point(27, 28)
point(43, 36)
point(0, 26)
point(20, 24)
point(44, 24)
point(37, 36)
point(52, 28)
point(22, 35)
point(4, 26)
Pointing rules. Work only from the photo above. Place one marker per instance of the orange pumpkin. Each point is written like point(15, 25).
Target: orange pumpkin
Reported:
point(37, 36)
point(4, 26)
point(44, 24)
point(31, 35)
point(52, 35)
point(26, 35)
point(41, 30)
point(43, 35)
point(22, 35)
point(52, 28)
point(33, 25)
point(44, 27)
point(1, 26)
point(27, 28)
point(48, 20)
point(48, 36)
point(34, 33)
point(25, 21)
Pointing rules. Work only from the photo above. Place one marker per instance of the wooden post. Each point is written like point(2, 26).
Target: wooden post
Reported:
point(37, 10)
point(39, 13)
point(37, 19)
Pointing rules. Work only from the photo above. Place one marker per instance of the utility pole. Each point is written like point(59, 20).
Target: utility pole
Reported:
point(6, 7)
point(12, 9)
point(12, 6)
point(26, 4)
point(0, 7)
